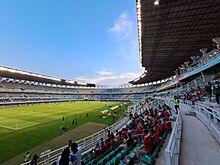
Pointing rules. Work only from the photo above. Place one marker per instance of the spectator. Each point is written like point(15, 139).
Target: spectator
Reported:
point(70, 144)
point(129, 142)
point(27, 157)
point(124, 133)
point(34, 160)
point(113, 143)
point(103, 147)
point(176, 103)
point(107, 144)
point(97, 150)
point(76, 154)
point(217, 91)
point(148, 145)
point(185, 98)
point(156, 138)
point(112, 136)
point(193, 99)
point(166, 115)
point(64, 159)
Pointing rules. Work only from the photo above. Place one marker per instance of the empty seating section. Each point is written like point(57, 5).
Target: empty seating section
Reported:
point(10, 85)
point(12, 92)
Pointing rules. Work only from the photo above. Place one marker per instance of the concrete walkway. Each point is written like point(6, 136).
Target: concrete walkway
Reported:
point(198, 147)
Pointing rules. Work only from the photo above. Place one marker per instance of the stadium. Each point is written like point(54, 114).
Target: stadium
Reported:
point(169, 115)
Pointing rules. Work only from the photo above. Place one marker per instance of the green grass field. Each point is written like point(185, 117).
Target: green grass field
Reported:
point(25, 127)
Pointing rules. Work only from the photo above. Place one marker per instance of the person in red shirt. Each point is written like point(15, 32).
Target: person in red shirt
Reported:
point(157, 130)
point(118, 139)
point(107, 144)
point(148, 145)
point(156, 138)
point(124, 134)
point(139, 130)
point(103, 148)
point(193, 99)
point(166, 115)
point(113, 143)
point(168, 126)
point(162, 127)
point(97, 150)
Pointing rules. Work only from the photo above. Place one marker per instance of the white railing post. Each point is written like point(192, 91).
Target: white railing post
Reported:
point(214, 117)
point(84, 143)
point(48, 158)
point(93, 140)
point(168, 157)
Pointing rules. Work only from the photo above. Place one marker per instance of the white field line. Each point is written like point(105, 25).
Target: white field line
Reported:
point(8, 127)
point(14, 128)
point(28, 126)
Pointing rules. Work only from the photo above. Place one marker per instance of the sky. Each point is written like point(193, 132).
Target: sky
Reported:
point(83, 40)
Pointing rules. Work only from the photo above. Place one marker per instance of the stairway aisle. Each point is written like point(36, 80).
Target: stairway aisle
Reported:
point(198, 146)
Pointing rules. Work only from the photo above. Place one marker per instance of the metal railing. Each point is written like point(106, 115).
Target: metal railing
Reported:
point(208, 111)
point(48, 157)
point(204, 60)
point(209, 116)
point(173, 148)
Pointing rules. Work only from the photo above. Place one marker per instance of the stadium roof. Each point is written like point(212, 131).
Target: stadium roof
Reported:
point(29, 76)
point(172, 31)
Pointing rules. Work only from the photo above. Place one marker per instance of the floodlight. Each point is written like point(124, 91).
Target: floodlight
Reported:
point(156, 2)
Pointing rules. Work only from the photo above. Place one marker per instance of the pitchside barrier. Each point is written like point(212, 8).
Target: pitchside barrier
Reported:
point(48, 157)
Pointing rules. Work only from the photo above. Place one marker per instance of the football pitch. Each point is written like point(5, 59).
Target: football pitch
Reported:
point(25, 127)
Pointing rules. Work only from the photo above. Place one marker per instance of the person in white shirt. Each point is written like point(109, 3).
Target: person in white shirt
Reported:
point(75, 155)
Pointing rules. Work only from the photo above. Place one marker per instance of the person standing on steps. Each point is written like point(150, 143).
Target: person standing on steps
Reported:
point(217, 91)
point(208, 89)
point(176, 103)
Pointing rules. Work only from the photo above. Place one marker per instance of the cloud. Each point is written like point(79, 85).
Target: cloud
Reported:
point(122, 26)
point(125, 31)
point(125, 34)
point(109, 79)
point(103, 72)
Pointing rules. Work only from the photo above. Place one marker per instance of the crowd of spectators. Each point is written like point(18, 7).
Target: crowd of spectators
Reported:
point(145, 130)
point(197, 94)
